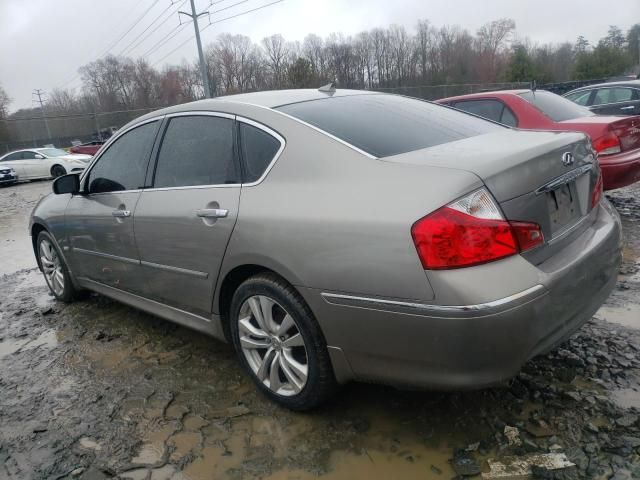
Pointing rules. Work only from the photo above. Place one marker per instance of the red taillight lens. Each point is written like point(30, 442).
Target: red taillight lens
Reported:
point(596, 195)
point(470, 232)
point(607, 144)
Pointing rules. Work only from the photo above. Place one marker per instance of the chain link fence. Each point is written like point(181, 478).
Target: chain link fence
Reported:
point(63, 131)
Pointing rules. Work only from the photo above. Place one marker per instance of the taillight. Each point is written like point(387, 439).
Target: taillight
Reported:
point(596, 195)
point(608, 144)
point(469, 232)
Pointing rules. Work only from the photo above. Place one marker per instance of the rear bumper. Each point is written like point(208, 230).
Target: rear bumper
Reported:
point(621, 169)
point(472, 346)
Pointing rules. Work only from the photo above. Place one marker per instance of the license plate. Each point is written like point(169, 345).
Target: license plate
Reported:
point(563, 206)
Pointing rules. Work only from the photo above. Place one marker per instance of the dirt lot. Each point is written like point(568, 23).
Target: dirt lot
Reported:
point(98, 390)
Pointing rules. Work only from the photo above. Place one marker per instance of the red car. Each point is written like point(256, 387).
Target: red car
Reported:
point(89, 148)
point(615, 138)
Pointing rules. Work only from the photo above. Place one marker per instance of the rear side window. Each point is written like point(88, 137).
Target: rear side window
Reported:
point(492, 109)
point(555, 107)
point(613, 95)
point(384, 125)
point(13, 156)
point(123, 165)
point(196, 150)
point(258, 150)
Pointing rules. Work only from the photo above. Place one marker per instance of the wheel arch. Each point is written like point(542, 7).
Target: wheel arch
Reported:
point(229, 284)
point(36, 228)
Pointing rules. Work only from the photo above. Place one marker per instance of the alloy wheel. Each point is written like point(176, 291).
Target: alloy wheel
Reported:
point(273, 345)
point(52, 267)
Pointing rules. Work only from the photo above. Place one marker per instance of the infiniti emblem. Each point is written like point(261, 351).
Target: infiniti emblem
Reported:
point(567, 159)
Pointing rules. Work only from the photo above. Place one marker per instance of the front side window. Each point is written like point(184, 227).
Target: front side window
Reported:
point(258, 150)
point(12, 157)
point(197, 150)
point(384, 125)
point(29, 155)
point(555, 107)
point(613, 95)
point(581, 98)
point(123, 165)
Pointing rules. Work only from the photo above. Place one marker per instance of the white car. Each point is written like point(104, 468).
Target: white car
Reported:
point(37, 163)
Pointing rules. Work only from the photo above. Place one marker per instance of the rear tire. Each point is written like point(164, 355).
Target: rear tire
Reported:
point(279, 343)
point(54, 269)
point(58, 171)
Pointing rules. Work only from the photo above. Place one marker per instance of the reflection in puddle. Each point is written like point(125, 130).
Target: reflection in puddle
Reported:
point(47, 339)
point(626, 398)
point(627, 316)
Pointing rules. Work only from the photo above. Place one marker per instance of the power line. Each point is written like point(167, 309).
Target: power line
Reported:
point(215, 22)
point(149, 26)
point(153, 4)
point(144, 39)
point(116, 42)
point(176, 30)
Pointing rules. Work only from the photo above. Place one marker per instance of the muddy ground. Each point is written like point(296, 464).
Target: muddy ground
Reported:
point(98, 390)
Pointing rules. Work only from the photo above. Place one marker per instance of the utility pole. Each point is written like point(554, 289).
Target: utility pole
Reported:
point(203, 69)
point(39, 92)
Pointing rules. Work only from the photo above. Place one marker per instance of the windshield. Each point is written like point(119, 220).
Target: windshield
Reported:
point(556, 107)
point(52, 152)
point(384, 125)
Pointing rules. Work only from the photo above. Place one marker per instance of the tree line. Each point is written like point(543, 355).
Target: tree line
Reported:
point(375, 59)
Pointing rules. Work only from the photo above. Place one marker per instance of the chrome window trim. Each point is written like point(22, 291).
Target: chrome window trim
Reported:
point(193, 113)
point(424, 308)
point(107, 145)
point(614, 103)
point(169, 268)
point(237, 118)
point(275, 158)
point(313, 127)
point(93, 253)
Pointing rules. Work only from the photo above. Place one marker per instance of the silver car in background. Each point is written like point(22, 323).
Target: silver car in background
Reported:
point(341, 235)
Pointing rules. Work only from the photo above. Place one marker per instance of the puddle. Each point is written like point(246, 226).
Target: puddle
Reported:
point(47, 339)
point(626, 398)
point(626, 316)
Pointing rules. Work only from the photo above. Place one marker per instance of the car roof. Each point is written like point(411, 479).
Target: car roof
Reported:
point(496, 93)
point(268, 99)
point(620, 83)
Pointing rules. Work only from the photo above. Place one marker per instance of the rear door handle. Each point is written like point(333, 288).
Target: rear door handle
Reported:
point(630, 107)
point(121, 213)
point(212, 213)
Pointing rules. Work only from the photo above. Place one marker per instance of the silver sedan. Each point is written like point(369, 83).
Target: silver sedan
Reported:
point(341, 235)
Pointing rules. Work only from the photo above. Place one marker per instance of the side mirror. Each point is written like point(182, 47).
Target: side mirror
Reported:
point(37, 156)
point(67, 184)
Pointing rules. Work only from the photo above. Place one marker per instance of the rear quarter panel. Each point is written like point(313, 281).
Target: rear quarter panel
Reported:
point(329, 218)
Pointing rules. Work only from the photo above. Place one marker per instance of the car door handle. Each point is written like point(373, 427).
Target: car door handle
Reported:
point(121, 213)
point(630, 107)
point(212, 213)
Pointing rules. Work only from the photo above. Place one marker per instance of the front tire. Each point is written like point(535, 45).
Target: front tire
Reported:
point(58, 171)
point(280, 344)
point(54, 268)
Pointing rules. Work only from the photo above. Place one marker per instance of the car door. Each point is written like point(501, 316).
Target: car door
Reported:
point(32, 164)
point(14, 160)
point(99, 221)
point(184, 222)
point(616, 101)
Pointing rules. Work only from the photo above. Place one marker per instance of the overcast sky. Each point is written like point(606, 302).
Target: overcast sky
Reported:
point(43, 42)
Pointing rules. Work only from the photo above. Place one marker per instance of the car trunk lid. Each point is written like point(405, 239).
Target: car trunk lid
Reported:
point(542, 177)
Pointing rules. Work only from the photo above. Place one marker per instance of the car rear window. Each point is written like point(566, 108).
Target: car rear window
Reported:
point(384, 125)
point(555, 107)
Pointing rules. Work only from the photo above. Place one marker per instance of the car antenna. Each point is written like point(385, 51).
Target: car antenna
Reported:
point(328, 88)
